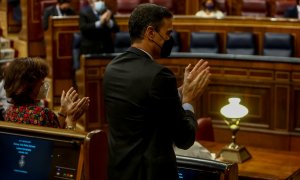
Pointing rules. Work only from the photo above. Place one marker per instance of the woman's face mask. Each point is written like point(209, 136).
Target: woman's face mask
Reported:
point(44, 89)
point(100, 6)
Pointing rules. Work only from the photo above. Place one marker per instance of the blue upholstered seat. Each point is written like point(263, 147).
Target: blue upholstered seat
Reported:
point(204, 42)
point(122, 42)
point(240, 43)
point(278, 44)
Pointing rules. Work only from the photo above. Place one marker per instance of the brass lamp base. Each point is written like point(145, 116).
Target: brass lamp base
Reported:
point(238, 154)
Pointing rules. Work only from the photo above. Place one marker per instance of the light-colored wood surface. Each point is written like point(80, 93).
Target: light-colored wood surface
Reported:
point(265, 163)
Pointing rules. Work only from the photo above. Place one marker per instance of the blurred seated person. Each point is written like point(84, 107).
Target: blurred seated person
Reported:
point(62, 8)
point(97, 26)
point(210, 9)
point(293, 12)
point(25, 86)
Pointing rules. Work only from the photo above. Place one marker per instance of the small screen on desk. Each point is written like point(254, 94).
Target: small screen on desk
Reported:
point(195, 174)
point(34, 158)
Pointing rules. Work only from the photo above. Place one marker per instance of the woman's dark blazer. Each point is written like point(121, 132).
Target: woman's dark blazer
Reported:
point(145, 118)
point(95, 40)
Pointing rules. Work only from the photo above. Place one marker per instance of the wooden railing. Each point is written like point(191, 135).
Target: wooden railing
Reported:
point(268, 86)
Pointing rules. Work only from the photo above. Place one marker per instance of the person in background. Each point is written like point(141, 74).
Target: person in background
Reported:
point(17, 13)
point(293, 12)
point(145, 111)
point(97, 25)
point(25, 86)
point(210, 9)
point(62, 8)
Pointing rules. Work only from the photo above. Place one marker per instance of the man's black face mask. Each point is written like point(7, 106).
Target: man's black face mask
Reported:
point(166, 48)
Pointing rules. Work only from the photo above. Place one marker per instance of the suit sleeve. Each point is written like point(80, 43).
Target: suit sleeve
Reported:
point(87, 21)
point(181, 124)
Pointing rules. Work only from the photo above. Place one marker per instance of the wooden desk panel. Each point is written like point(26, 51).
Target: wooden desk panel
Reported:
point(265, 163)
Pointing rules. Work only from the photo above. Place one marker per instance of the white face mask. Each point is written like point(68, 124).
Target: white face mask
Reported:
point(100, 6)
point(43, 91)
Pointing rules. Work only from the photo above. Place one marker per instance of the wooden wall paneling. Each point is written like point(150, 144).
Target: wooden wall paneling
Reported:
point(295, 143)
point(179, 7)
point(58, 38)
point(255, 97)
point(295, 113)
point(92, 87)
point(3, 17)
point(281, 109)
point(192, 6)
point(247, 137)
point(76, 4)
point(282, 96)
point(271, 7)
point(31, 32)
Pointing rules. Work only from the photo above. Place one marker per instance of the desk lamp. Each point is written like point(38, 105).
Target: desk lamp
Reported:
point(232, 113)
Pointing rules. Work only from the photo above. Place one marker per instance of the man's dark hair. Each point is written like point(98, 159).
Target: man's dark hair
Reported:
point(63, 1)
point(146, 15)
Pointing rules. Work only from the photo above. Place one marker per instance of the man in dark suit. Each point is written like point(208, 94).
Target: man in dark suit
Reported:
point(146, 112)
point(97, 26)
point(293, 12)
point(62, 8)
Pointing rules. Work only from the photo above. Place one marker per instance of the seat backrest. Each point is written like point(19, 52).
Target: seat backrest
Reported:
point(47, 3)
point(278, 44)
point(126, 6)
point(196, 168)
point(223, 6)
point(122, 41)
point(240, 43)
point(282, 5)
point(166, 3)
point(204, 42)
point(205, 129)
point(254, 8)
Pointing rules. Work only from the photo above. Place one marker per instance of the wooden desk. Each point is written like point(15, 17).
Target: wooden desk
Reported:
point(265, 163)
point(268, 86)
